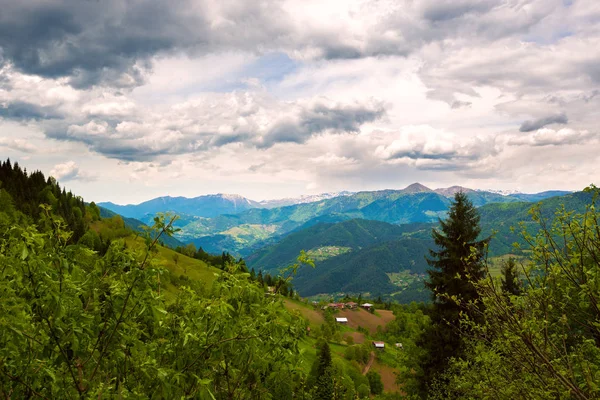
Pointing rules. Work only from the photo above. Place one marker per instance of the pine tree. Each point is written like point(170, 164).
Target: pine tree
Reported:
point(324, 390)
point(456, 264)
point(510, 278)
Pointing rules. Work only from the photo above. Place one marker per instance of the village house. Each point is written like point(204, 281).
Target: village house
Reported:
point(341, 320)
point(351, 305)
point(379, 345)
point(367, 306)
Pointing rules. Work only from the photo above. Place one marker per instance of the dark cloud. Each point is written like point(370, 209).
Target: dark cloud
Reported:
point(256, 167)
point(111, 42)
point(460, 104)
point(90, 42)
point(444, 10)
point(23, 111)
point(534, 125)
point(423, 155)
point(321, 118)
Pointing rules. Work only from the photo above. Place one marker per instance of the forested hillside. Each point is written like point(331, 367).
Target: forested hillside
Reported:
point(28, 191)
point(376, 249)
point(355, 234)
point(366, 270)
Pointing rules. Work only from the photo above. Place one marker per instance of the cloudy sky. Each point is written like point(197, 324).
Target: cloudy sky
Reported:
point(126, 100)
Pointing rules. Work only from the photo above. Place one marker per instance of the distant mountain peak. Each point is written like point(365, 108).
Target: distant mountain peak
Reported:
point(452, 190)
point(416, 188)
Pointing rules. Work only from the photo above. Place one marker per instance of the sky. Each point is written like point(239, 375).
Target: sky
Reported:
point(127, 100)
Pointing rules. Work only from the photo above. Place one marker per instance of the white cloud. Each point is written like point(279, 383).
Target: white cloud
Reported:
point(66, 171)
point(551, 137)
point(70, 171)
point(18, 144)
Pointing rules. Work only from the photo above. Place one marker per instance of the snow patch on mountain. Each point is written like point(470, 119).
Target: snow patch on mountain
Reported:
point(502, 192)
point(307, 198)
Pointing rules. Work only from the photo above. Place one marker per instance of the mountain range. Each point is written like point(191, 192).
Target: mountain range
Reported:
point(240, 226)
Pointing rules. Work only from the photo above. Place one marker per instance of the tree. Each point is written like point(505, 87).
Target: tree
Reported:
point(375, 382)
point(324, 386)
point(456, 264)
point(363, 391)
point(510, 278)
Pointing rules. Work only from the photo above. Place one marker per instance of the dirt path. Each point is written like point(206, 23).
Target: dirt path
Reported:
point(368, 366)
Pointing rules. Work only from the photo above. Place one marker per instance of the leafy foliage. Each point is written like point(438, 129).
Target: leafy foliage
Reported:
point(76, 324)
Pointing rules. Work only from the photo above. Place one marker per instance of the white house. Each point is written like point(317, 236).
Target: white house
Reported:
point(379, 345)
point(341, 320)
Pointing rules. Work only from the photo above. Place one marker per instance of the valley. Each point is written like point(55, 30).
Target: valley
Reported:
point(365, 242)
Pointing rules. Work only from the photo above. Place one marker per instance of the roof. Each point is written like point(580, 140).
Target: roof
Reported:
point(379, 344)
point(367, 305)
point(341, 319)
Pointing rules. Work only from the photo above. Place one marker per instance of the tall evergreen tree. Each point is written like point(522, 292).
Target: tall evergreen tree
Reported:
point(456, 264)
point(510, 278)
point(324, 390)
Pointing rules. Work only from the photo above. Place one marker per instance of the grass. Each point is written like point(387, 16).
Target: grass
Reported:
point(177, 264)
point(314, 317)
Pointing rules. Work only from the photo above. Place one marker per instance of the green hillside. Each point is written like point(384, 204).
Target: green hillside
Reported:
point(355, 234)
point(379, 250)
point(365, 270)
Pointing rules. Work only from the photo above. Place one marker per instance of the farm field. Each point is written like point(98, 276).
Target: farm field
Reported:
point(365, 319)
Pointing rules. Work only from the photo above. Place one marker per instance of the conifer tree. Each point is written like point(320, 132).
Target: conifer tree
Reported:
point(324, 390)
point(510, 278)
point(456, 264)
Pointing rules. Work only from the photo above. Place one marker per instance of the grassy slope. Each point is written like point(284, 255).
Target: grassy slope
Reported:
point(194, 269)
